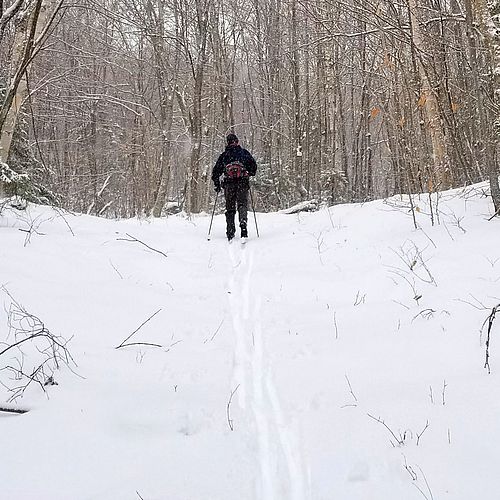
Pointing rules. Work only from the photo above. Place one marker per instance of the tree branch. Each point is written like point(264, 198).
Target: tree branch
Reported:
point(124, 344)
point(135, 240)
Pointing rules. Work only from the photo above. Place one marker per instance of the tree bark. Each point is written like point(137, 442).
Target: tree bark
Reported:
point(429, 101)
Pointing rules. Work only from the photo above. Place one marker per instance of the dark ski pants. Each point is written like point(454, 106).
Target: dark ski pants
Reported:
point(236, 194)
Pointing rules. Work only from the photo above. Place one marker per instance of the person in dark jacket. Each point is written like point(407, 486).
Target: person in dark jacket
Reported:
point(236, 165)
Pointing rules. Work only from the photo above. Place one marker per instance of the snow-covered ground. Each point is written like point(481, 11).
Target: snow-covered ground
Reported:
point(338, 356)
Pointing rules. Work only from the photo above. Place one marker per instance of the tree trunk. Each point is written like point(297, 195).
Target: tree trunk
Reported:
point(17, 90)
point(166, 101)
point(428, 100)
point(27, 33)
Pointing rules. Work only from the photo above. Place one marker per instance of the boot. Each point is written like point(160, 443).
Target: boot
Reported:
point(244, 232)
point(230, 227)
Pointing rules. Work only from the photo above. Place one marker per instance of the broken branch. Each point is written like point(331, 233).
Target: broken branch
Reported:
point(124, 343)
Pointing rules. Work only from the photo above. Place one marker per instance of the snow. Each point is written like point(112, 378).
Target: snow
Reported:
point(316, 329)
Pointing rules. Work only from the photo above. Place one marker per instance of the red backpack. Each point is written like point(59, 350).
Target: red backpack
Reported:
point(235, 170)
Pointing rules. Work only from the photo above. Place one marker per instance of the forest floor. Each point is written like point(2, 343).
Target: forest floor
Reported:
point(339, 356)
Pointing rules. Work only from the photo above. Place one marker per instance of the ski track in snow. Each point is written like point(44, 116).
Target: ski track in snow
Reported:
point(156, 420)
point(276, 440)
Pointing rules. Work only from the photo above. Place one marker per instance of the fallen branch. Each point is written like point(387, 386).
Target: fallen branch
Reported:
point(124, 343)
point(215, 333)
point(8, 409)
point(495, 214)
point(133, 239)
point(150, 344)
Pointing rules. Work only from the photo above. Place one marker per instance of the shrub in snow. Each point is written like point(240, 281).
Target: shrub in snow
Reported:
point(30, 354)
point(23, 186)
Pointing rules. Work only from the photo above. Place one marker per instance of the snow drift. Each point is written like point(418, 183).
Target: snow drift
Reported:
point(338, 356)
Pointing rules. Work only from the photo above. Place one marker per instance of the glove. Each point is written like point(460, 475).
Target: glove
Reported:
point(217, 186)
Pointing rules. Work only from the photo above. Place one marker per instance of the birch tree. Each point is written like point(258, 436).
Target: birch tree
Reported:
point(32, 22)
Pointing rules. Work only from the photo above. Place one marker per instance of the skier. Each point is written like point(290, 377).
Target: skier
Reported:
point(236, 164)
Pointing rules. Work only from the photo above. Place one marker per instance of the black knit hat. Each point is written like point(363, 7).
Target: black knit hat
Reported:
point(231, 139)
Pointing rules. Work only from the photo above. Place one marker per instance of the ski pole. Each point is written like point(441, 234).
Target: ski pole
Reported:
point(254, 216)
point(213, 212)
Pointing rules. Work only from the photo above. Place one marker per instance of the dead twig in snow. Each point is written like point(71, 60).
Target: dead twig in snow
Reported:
point(173, 344)
point(335, 325)
point(133, 239)
point(443, 393)
point(412, 284)
point(215, 333)
point(33, 226)
point(399, 440)
point(431, 497)
point(413, 259)
point(419, 435)
point(228, 408)
point(114, 267)
point(410, 470)
point(425, 313)
point(359, 299)
point(401, 304)
point(124, 344)
point(490, 319)
point(457, 221)
point(428, 237)
point(350, 388)
point(60, 212)
point(414, 478)
point(492, 262)
point(480, 307)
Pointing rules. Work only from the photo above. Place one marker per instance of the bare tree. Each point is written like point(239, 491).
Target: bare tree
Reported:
point(32, 22)
point(128, 105)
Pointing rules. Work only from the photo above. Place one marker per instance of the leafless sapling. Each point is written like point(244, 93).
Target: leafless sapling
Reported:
point(489, 320)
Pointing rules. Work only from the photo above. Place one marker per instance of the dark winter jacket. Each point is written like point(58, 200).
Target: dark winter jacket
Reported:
point(233, 153)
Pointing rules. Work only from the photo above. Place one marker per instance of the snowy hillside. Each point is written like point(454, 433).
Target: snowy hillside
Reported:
point(338, 356)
